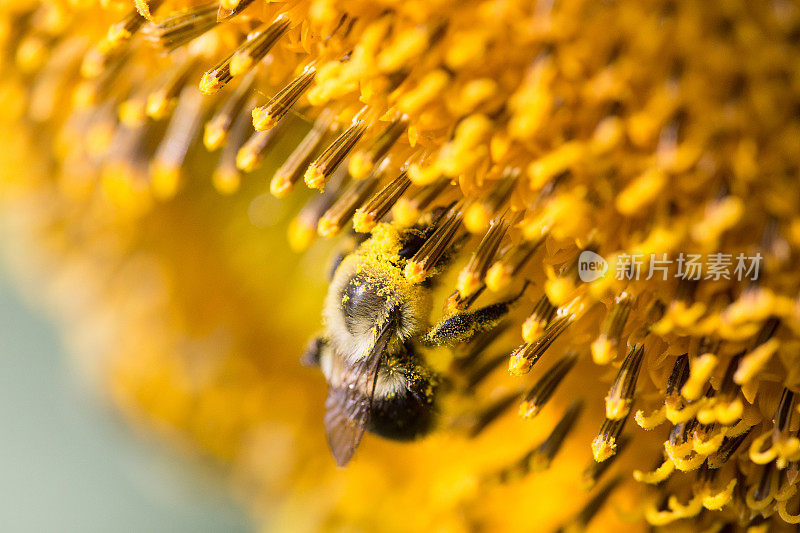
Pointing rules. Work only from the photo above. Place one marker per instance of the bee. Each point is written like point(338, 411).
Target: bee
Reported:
point(376, 327)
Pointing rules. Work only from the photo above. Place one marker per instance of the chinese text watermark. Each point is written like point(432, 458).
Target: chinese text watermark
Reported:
point(695, 267)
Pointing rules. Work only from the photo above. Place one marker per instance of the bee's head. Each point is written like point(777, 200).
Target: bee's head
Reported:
point(361, 301)
point(367, 303)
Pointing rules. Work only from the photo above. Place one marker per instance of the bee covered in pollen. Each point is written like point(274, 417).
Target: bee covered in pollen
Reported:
point(376, 328)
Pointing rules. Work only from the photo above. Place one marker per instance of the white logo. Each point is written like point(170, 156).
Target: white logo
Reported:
point(591, 266)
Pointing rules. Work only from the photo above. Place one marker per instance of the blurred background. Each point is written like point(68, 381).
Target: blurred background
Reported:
point(69, 464)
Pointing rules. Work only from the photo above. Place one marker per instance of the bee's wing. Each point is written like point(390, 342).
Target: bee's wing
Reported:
point(348, 406)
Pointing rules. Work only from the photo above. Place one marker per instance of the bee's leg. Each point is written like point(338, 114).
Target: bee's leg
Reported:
point(462, 326)
point(313, 353)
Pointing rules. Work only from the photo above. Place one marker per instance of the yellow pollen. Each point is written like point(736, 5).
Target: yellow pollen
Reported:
point(701, 369)
point(262, 120)
point(165, 180)
point(300, 235)
point(227, 180)
point(360, 165)
point(603, 448)
point(641, 192)
point(715, 502)
point(414, 272)
point(214, 136)
point(657, 476)
point(209, 83)
point(314, 177)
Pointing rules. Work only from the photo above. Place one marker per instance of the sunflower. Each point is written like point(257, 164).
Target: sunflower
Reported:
point(630, 169)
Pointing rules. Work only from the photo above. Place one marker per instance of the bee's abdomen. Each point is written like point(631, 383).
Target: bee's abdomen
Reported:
point(408, 413)
point(401, 417)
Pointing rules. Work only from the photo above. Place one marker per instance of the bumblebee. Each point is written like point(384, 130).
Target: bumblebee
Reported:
point(376, 325)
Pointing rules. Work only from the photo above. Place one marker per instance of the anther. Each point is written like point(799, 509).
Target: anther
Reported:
point(492, 413)
point(470, 279)
point(343, 208)
point(704, 475)
point(252, 153)
point(419, 266)
point(524, 357)
point(479, 214)
point(303, 228)
point(185, 26)
point(787, 446)
point(217, 77)
point(604, 348)
point(536, 323)
point(169, 157)
point(652, 314)
point(362, 161)
point(606, 443)
point(216, 130)
point(542, 455)
point(500, 274)
point(321, 169)
point(161, 101)
point(701, 368)
point(476, 376)
point(406, 211)
point(762, 493)
point(536, 398)
point(230, 8)
point(561, 286)
point(125, 29)
point(783, 414)
point(268, 115)
point(290, 172)
point(99, 56)
point(146, 8)
point(455, 304)
point(620, 396)
point(729, 447)
point(764, 348)
point(257, 45)
point(227, 176)
point(593, 506)
point(594, 470)
point(728, 407)
point(679, 436)
point(367, 216)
